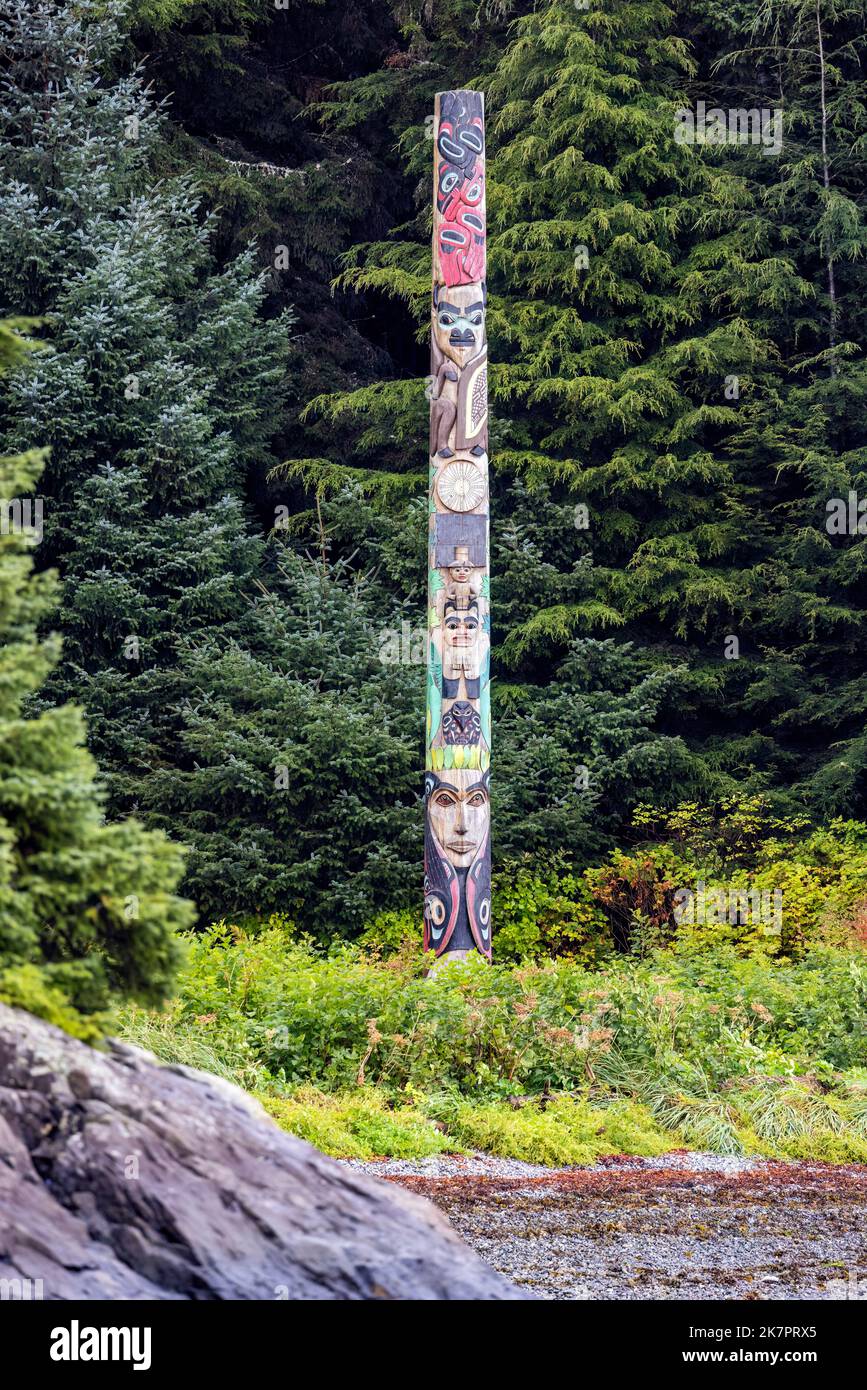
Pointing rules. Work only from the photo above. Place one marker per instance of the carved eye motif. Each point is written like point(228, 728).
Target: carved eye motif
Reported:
point(444, 799)
point(449, 179)
point(461, 486)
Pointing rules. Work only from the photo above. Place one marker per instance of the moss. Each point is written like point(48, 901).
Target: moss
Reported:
point(355, 1124)
point(559, 1131)
point(631, 1129)
point(360, 1124)
point(824, 1146)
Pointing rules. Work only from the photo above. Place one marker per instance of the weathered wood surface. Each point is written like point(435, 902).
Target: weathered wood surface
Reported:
point(458, 742)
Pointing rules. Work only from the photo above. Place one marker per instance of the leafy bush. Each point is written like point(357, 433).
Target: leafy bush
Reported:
point(359, 1124)
point(393, 933)
point(547, 909)
point(735, 874)
point(552, 1061)
point(305, 1015)
point(564, 1130)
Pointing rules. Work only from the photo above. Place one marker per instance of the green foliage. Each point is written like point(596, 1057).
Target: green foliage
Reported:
point(546, 910)
point(552, 1062)
point(775, 1117)
point(221, 1051)
point(86, 909)
point(357, 1124)
point(762, 1117)
point(562, 1130)
point(737, 874)
point(391, 934)
point(308, 1016)
point(160, 15)
point(29, 987)
point(156, 391)
point(295, 780)
point(235, 691)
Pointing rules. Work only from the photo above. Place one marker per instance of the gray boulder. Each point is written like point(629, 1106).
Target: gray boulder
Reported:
point(124, 1179)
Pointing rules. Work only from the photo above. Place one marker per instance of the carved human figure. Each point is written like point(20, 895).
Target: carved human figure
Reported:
point(464, 582)
point(459, 358)
point(465, 644)
point(457, 863)
point(462, 643)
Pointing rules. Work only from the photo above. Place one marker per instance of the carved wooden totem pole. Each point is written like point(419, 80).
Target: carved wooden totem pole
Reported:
point(457, 781)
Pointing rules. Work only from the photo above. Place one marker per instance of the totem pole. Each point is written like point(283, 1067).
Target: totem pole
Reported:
point(457, 914)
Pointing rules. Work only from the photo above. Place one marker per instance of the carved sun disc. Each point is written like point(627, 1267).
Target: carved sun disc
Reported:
point(461, 486)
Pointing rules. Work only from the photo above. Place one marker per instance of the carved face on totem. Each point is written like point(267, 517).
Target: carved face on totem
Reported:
point(459, 817)
point(461, 571)
point(457, 864)
point(462, 724)
point(460, 146)
point(459, 322)
point(461, 634)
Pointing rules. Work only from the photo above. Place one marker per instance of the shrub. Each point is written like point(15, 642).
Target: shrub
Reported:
point(546, 908)
point(393, 933)
point(738, 875)
point(357, 1124)
point(306, 1015)
point(562, 1130)
point(553, 1061)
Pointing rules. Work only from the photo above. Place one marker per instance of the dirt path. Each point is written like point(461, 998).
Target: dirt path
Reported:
point(686, 1226)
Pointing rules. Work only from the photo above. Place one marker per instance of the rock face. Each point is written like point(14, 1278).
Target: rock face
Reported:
point(124, 1179)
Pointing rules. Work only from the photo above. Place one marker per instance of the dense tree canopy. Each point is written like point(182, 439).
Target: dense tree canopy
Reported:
point(85, 908)
point(233, 269)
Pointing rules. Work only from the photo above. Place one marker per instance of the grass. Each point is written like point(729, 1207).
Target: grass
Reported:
point(788, 1123)
point(549, 1062)
point(357, 1124)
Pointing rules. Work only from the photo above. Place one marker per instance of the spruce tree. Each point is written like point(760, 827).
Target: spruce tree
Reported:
point(87, 909)
point(160, 388)
point(204, 668)
point(625, 272)
point(801, 438)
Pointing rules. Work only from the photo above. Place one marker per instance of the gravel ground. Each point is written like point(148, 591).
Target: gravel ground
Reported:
point(684, 1226)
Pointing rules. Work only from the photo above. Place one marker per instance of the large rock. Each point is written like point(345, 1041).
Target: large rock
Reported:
point(121, 1178)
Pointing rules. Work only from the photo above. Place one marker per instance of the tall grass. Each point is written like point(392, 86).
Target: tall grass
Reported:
point(718, 1051)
